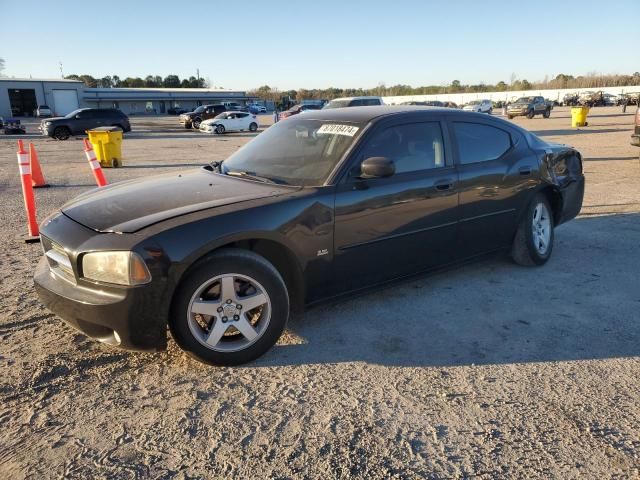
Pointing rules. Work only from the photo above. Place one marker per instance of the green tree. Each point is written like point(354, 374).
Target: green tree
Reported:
point(171, 81)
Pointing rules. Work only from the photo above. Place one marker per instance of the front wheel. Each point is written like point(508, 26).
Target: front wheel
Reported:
point(196, 123)
point(230, 309)
point(220, 129)
point(61, 133)
point(533, 242)
point(253, 127)
point(530, 114)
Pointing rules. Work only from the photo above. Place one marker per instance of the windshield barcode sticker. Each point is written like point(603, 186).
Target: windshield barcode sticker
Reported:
point(335, 129)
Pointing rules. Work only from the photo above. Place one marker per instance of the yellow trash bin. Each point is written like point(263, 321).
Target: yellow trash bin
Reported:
point(107, 143)
point(579, 116)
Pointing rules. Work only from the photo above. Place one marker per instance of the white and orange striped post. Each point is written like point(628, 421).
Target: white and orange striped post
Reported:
point(94, 164)
point(27, 193)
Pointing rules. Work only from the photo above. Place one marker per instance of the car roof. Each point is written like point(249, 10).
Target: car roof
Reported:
point(366, 114)
point(364, 97)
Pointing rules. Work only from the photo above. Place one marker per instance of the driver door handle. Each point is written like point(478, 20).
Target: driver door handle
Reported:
point(444, 185)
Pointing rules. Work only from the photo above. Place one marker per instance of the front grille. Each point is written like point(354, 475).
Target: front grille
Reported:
point(58, 259)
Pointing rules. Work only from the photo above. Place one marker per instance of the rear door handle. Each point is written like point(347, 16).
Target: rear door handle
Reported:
point(525, 171)
point(444, 185)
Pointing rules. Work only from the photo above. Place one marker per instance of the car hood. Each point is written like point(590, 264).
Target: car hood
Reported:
point(520, 104)
point(53, 119)
point(127, 207)
point(211, 121)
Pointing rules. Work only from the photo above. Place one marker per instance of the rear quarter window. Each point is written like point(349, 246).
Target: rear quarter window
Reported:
point(478, 142)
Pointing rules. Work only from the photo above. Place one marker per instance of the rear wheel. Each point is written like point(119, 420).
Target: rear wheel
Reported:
point(533, 242)
point(547, 113)
point(220, 129)
point(253, 127)
point(230, 309)
point(61, 133)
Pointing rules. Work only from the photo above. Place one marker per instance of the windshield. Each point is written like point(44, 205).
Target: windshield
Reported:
point(474, 102)
point(199, 110)
point(222, 115)
point(524, 100)
point(337, 104)
point(296, 152)
point(74, 113)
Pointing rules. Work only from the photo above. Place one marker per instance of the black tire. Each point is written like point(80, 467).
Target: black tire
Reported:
point(510, 117)
point(196, 122)
point(531, 114)
point(524, 251)
point(187, 125)
point(253, 127)
point(547, 113)
point(490, 111)
point(61, 133)
point(220, 129)
point(239, 262)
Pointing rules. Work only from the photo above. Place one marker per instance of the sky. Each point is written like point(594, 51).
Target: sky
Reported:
point(320, 44)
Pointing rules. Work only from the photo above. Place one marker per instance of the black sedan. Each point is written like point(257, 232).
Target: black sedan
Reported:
point(317, 207)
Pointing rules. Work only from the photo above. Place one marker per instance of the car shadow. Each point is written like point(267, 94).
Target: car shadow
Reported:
point(582, 305)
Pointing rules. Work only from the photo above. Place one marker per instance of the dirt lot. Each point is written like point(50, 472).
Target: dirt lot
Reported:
point(493, 371)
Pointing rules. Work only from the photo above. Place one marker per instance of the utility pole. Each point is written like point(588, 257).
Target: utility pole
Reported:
point(198, 76)
point(60, 66)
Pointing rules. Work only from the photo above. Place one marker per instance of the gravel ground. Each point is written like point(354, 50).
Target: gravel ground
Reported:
point(493, 370)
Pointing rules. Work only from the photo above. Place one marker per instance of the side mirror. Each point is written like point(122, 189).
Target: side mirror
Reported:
point(377, 167)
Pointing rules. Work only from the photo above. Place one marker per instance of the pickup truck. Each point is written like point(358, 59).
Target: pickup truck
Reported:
point(529, 107)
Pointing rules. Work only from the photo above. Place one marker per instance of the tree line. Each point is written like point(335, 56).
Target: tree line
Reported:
point(591, 80)
point(150, 81)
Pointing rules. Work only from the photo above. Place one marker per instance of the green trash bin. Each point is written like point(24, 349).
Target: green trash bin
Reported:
point(107, 143)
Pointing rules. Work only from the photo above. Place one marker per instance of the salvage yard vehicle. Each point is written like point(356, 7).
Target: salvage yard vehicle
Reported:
point(529, 107)
point(230, 122)
point(353, 102)
point(318, 207)
point(43, 111)
point(83, 119)
point(296, 109)
point(203, 112)
point(479, 106)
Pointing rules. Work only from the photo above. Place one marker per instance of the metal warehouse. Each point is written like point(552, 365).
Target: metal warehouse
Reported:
point(158, 100)
point(20, 97)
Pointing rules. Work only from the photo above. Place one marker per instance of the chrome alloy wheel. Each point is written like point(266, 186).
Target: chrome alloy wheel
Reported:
point(229, 312)
point(541, 228)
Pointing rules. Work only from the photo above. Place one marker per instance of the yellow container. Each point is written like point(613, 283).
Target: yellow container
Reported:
point(107, 143)
point(579, 116)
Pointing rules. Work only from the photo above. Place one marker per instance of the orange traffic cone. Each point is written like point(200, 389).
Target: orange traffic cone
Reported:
point(37, 179)
point(27, 193)
point(94, 164)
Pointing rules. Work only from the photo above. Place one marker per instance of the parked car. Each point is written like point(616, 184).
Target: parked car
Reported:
point(529, 107)
point(426, 103)
point(610, 100)
point(83, 119)
point(43, 111)
point(230, 122)
point(254, 108)
point(479, 106)
point(203, 112)
point(570, 100)
point(315, 208)
point(296, 109)
point(353, 102)
point(176, 111)
point(635, 136)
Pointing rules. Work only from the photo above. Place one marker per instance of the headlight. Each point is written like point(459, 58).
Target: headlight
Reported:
point(122, 268)
point(46, 124)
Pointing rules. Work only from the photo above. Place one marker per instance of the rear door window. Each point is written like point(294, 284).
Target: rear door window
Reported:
point(479, 142)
